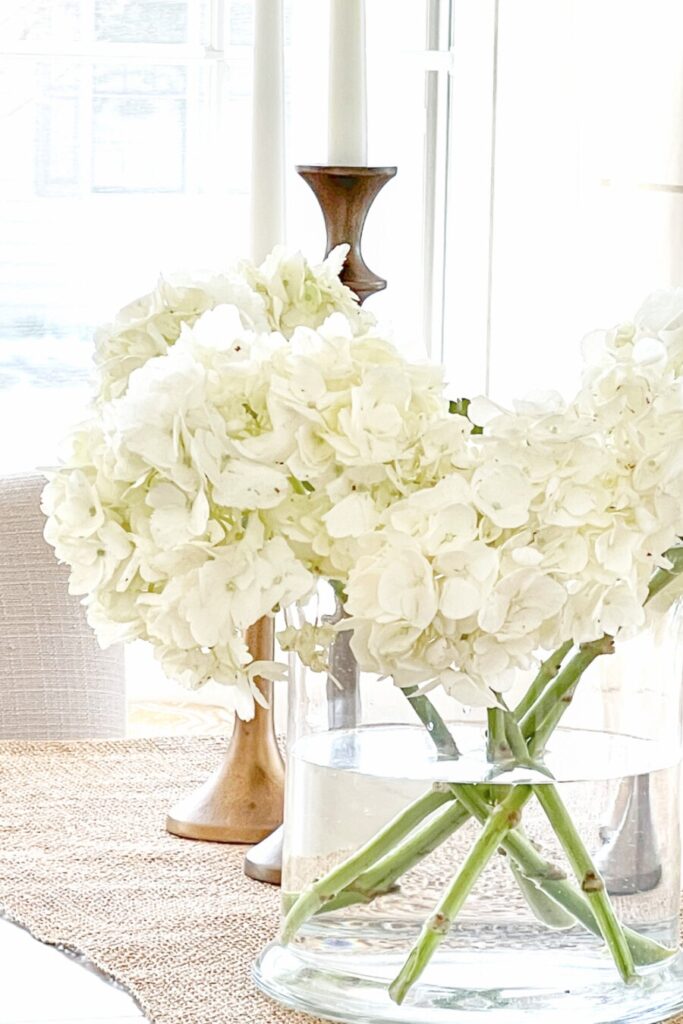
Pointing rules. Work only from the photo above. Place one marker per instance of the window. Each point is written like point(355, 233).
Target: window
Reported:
point(539, 192)
point(127, 127)
point(565, 181)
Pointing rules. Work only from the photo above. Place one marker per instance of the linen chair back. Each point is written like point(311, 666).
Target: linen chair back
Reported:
point(55, 681)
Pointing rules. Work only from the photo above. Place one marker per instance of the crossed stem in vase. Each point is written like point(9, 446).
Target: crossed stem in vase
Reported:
point(515, 738)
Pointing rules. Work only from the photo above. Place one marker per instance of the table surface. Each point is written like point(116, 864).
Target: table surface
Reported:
point(41, 985)
point(69, 992)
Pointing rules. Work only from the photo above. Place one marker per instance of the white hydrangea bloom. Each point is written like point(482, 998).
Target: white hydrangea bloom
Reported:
point(285, 292)
point(258, 430)
point(297, 294)
point(148, 326)
point(558, 515)
point(218, 477)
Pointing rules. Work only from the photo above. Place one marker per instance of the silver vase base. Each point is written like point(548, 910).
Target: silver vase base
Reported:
point(263, 863)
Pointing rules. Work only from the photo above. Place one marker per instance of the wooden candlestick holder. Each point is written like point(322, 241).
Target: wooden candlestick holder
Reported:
point(345, 195)
point(242, 801)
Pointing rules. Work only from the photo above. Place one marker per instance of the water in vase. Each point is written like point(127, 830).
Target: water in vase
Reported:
point(498, 958)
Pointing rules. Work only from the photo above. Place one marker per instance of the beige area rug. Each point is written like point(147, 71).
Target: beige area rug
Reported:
point(85, 863)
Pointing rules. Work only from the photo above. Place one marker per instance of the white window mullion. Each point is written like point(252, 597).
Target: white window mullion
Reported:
point(194, 25)
point(87, 99)
point(437, 99)
point(469, 195)
point(215, 125)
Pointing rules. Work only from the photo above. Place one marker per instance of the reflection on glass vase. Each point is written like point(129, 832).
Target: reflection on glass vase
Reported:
point(563, 872)
point(629, 862)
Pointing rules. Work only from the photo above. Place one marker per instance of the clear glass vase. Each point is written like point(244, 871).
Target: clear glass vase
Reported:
point(523, 946)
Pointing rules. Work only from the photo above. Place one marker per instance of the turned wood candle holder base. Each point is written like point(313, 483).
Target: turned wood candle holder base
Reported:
point(242, 801)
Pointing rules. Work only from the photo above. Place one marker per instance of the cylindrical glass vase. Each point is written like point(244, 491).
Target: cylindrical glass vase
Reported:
point(526, 944)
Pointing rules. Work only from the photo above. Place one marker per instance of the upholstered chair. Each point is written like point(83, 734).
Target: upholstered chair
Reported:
point(55, 681)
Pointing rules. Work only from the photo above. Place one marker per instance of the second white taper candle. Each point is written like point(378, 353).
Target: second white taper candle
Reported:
point(347, 106)
point(267, 151)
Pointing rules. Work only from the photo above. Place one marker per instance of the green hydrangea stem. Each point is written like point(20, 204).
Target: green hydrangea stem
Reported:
point(662, 577)
point(588, 878)
point(546, 673)
point(544, 715)
point(518, 745)
point(587, 874)
point(552, 881)
point(505, 817)
point(382, 877)
point(439, 732)
point(497, 747)
point(324, 889)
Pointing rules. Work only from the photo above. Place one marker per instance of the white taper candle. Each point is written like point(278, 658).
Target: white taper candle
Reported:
point(267, 151)
point(347, 123)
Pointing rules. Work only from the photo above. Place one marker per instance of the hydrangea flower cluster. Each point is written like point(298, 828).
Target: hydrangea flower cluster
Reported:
point(226, 465)
point(550, 532)
point(254, 431)
point(283, 293)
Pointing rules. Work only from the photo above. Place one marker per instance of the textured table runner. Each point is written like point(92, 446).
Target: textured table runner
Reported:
point(85, 863)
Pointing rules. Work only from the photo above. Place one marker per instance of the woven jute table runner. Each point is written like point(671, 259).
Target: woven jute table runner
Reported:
point(85, 863)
